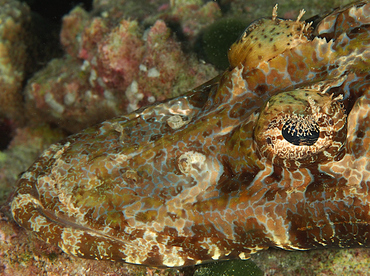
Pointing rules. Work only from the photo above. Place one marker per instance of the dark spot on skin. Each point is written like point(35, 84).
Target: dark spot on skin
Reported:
point(273, 29)
point(259, 45)
point(340, 155)
point(154, 138)
point(268, 141)
point(277, 173)
point(260, 57)
point(271, 39)
point(356, 31)
point(265, 36)
point(321, 120)
point(275, 48)
point(360, 134)
point(212, 148)
point(261, 89)
point(331, 67)
point(151, 120)
point(207, 133)
point(271, 194)
point(288, 44)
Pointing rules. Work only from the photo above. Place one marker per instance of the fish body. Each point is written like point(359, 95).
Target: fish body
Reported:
point(272, 153)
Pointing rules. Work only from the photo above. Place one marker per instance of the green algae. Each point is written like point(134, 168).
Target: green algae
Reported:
point(52, 257)
point(3, 157)
point(230, 268)
point(218, 37)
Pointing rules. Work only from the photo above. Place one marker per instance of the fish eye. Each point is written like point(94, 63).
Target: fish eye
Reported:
point(298, 128)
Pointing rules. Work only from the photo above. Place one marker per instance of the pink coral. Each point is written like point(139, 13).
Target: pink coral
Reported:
point(120, 54)
point(109, 69)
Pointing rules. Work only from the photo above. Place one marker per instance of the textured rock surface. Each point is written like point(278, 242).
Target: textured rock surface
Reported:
point(111, 67)
point(14, 18)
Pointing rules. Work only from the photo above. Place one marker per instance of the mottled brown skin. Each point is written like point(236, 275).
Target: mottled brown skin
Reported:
point(211, 174)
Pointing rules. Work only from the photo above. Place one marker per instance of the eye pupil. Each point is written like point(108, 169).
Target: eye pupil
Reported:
point(301, 131)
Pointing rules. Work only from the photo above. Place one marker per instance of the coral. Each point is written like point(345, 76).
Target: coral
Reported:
point(141, 10)
point(164, 70)
point(287, 8)
point(110, 69)
point(193, 16)
point(66, 93)
point(14, 17)
point(73, 26)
